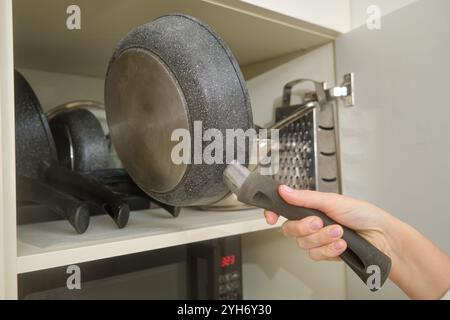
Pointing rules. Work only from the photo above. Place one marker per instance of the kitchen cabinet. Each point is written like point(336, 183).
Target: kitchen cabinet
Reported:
point(68, 64)
point(393, 146)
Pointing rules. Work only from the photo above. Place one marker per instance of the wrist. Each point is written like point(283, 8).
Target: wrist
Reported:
point(393, 229)
point(395, 233)
point(418, 266)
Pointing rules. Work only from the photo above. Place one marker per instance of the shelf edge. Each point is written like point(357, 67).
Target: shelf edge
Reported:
point(50, 259)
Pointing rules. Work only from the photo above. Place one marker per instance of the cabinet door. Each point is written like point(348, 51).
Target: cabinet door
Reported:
point(395, 142)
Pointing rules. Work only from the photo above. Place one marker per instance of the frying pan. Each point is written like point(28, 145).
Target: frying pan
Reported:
point(83, 147)
point(80, 141)
point(33, 149)
point(166, 75)
point(82, 161)
point(36, 158)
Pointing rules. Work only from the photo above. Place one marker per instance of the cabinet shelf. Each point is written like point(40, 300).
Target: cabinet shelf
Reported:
point(42, 41)
point(52, 244)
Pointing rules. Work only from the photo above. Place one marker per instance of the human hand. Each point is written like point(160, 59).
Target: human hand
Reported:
point(413, 255)
point(326, 243)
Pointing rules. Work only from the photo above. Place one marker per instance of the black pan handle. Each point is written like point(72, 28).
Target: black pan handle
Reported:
point(89, 190)
point(76, 212)
point(120, 176)
point(109, 176)
point(361, 256)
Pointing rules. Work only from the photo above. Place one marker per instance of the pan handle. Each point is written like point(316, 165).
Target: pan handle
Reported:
point(120, 176)
point(89, 190)
point(74, 211)
point(361, 256)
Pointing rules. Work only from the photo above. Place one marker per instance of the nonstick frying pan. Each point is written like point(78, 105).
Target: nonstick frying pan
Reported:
point(163, 76)
point(36, 158)
point(80, 141)
point(166, 75)
point(34, 149)
point(96, 137)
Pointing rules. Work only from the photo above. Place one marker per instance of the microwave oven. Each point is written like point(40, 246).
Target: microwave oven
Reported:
point(204, 270)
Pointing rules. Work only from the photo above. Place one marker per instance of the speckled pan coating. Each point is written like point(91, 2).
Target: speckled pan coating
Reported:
point(90, 147)
point(214, 90)
point(34, 143)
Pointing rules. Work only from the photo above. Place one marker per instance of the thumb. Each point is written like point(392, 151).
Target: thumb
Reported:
point(324, 202)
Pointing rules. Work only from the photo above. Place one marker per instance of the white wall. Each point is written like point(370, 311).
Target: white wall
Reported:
point(274, 267)
point(359, 14)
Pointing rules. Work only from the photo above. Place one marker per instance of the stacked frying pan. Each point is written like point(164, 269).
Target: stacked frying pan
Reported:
point(42, 179)
point(62, 165)
point(82, 146)
point(166, 75)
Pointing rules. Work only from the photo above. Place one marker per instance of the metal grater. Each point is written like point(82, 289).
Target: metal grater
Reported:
point(297, 151)
point(308, 146)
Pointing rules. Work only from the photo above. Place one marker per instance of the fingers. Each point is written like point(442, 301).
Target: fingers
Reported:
point(324, 202)
point(321, 238)
point(323, 243)
point(302, 228)
point(271, 218)
point(329, 203)
point(329, 252)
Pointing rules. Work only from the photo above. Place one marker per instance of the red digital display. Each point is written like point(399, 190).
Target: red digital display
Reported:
point(228, 261)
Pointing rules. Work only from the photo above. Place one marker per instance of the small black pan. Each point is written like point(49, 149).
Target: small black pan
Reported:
point(168, 74)
point(33, 149)
point(36, 158)
point(80, 141)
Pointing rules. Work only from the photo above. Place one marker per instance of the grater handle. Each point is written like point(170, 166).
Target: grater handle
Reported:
point(361, 256)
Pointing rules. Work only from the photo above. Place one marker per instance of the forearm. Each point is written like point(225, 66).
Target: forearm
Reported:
point(419, 267)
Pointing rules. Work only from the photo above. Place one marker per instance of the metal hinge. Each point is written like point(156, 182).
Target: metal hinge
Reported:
point(322, 95)
point(345, 91)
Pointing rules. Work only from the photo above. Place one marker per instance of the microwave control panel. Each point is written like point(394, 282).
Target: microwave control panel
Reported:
point(215, 269)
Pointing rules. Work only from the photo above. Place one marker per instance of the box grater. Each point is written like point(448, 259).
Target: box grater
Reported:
point(308, 147)
point(298, 159)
